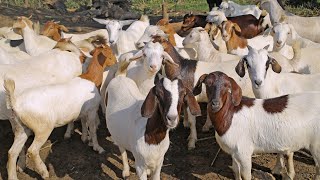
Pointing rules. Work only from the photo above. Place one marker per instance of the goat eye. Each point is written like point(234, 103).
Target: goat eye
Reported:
point(68, 50)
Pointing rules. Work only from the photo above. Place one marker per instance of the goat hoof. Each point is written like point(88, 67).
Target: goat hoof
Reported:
point(84, 139)
point(67, 136)
point(99, 149)
point(191, 145)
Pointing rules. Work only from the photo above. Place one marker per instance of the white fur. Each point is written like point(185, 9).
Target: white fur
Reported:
point(41, 109)
point(273, 84)
point(127, 128)
point(232, 9)
point(172, 87)
point(79, 37)
point(306, 27)
point(36, 44)
point(294, 128)
point(52, 67)
point(198, 38)
point(12, 57)
point(124, 41)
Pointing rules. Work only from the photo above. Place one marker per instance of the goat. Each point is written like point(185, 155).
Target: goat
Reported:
point(12, 57)
point(156, 31)
point(306, 27)
point(145, 134)
point(124, 41)
point(249, 25)
point(175, 26)
point(190, 21)
point(200, 41)
point(34, 44)
point(56, 32)
point(232, 9)
point(238, 45)
point(284, 35)
point(280, 125)
point(189, 71)
point(58, 65)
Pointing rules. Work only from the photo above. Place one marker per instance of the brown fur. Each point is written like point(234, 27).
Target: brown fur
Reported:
point(19, 24)
point(190, 21)
point(167, 28)
point(102, 58)
point(156, 106)
point(53, 30)
point(217, 88)
point(275, 105)
point(250, 26)
point(235, 41)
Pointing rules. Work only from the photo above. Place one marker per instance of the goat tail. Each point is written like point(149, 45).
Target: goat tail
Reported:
point(9, 86)
point(296, 46)
point(144, 18)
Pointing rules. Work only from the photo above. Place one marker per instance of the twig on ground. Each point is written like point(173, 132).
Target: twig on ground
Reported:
point(215, 157)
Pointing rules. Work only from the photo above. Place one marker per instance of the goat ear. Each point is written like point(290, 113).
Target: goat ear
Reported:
point(266, 47)
point(192, 103)
point(149, 104)
point(240, 67)
point(236, 27)
point(63, 28)
point(101, 58)
point(267, 32)
point(126, 22)
point(102, 21)
point(137, 56)
point(293, 32)
point(198, 87)
point(168, 58)
point(274, 64)
point(236, 92)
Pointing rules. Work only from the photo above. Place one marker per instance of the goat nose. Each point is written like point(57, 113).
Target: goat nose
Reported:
point(279, 42)
point(258, 82)
point(111, 41)
point(153, 67)
point(171, 118)
point(215, 104)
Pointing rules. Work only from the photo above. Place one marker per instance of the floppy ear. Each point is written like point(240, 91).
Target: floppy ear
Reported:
point(240, 67)
point(198, 87)
point(192, 103)
point(102, 21)
point(101, 58)
point(274, 64)
point(236, 27)
point(63, 28)
point(126, 22)
point(236, 92)
point(168, 59)
point(149, 104)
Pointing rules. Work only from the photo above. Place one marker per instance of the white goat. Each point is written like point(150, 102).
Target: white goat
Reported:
point(55, 106)
point(199, 39)
point(268, 84)
point(245, 126)
point(52, 67)
point(306, 27)
point(232, 9)
point(142, 67)
point(35, 44)
point(284, 35)
point(142, 126)
point(152, 31)
point(124, 41)
point(12, 57)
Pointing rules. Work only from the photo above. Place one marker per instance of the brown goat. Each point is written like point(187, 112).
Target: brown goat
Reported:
point(102, 57)
point(53, 29)
point(190, 21)
point(167, 28)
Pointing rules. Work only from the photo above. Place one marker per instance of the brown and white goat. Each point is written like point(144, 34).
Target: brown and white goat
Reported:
point(190, 21)
point(245, 126)
point(238, 45)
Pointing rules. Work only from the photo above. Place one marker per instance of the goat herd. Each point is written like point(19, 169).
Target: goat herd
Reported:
point(55, 78)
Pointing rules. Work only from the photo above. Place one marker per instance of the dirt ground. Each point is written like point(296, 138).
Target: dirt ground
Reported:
point(72, 159)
